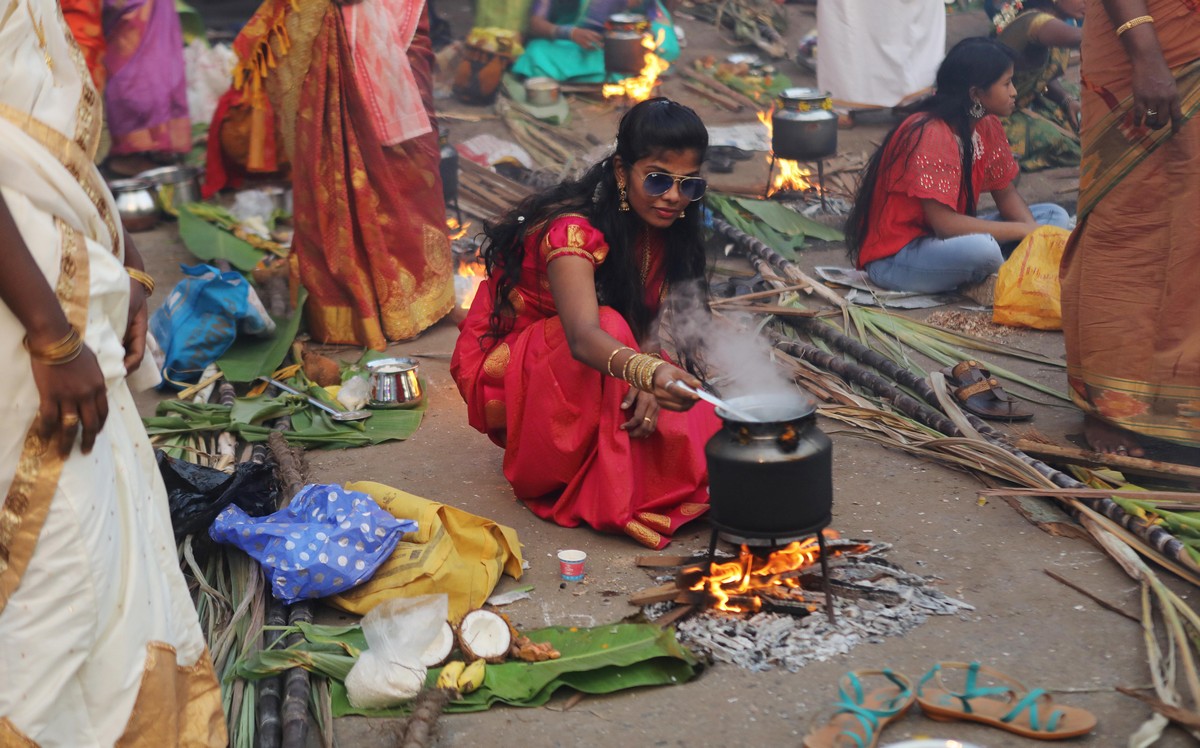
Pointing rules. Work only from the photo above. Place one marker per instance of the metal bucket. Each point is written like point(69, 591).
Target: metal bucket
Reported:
point(394, 383)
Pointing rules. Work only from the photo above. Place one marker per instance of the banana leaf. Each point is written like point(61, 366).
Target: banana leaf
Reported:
point(209, 242)
point(250, 358)
point(598, 660)
point(787, 221)
point(311, 428)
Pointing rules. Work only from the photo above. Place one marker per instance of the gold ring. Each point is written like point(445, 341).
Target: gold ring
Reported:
point(647, 420)
point(70, 421)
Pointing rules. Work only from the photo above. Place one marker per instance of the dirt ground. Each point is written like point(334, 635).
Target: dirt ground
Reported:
point(1025, 623)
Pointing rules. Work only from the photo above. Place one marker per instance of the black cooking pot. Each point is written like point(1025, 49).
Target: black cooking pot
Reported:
point(624, 52)
point(804, 125)
point(771, 478)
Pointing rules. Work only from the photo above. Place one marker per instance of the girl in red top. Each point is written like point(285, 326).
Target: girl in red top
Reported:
point(914, 225)
point(554, 358)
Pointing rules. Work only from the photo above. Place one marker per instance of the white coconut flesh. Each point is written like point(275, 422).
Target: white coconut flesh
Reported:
point(484, 634)
point(439, 649)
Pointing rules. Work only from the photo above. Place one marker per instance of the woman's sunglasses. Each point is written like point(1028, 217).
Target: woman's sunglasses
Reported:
point(659, 183)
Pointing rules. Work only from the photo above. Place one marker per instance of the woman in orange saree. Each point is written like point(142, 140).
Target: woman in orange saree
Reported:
point(368, 210)
point(1131, 298)
point(594, 431)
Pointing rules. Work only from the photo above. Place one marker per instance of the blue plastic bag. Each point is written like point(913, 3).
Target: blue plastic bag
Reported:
point(200, 320)
point(325, 541)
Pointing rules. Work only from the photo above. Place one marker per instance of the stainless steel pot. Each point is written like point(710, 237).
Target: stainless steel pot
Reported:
point(394, 383)
point(136, 203)
point(174, 186)
point(804, 125)
point(624, 52)
point(541, 91)
point(770, 478)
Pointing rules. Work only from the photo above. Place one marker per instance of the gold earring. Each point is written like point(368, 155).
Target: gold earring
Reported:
point(624, 206)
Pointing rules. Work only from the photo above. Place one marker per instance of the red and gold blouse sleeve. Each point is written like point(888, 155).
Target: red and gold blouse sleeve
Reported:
point(997, 162)
point(933, 167)
point(572, 235)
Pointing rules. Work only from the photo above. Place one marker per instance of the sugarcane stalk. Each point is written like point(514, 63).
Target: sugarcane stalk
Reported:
point(1157, 537)
point(269, 722)
point(296, 685)
point(787, 267)
point(427, 707)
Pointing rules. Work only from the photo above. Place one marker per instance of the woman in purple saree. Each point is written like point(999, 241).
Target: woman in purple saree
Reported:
point(145, 101)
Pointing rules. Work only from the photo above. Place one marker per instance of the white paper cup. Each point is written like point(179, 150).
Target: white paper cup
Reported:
point(570, 563)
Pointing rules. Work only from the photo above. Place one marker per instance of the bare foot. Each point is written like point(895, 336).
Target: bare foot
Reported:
point(1106, 438)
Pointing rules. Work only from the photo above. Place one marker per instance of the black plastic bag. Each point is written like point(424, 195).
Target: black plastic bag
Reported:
point(196, 494)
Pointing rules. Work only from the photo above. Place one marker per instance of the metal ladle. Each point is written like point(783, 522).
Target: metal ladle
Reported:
point(714, 400)
point(334, 413)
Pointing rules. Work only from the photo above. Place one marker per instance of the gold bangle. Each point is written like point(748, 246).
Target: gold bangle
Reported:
point(651, 371)
point(64, 351)
point(611, 356)
point(1134, 22)
point(143, 278)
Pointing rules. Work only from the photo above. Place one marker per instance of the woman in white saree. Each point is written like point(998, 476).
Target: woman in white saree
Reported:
point(99, 641)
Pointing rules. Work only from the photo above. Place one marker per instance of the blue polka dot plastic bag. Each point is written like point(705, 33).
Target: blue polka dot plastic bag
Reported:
point(326, 540)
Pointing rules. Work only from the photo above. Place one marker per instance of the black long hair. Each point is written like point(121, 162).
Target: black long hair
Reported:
point(975, 62)
point(651, 127)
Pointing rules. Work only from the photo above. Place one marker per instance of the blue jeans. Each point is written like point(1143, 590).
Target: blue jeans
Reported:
point(932, 265)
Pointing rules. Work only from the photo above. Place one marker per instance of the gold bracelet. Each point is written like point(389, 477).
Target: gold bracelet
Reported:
point(142, 277)
point(64, 351)
point(611, 356)
point(1134, 22)
point(652, 369)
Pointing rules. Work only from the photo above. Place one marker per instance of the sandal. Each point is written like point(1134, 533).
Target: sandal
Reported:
point(860, 715)
point(1030, 714)
point(978, 392)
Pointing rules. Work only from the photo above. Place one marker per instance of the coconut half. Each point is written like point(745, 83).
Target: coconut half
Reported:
point(439, 649)
point(482, 633)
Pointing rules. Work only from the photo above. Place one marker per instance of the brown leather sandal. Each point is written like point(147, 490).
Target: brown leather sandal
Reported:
point(978, 392)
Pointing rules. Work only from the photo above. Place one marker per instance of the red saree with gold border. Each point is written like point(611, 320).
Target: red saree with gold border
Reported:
point(370, 220)
point(558, 420)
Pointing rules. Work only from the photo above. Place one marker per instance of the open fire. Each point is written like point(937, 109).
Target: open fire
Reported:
point(792, 176)
point(469, 270)
point(748, 578)
point(641, 86)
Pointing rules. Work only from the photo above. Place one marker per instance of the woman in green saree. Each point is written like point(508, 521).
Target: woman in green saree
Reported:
point(1044, 129)
point(565, 38)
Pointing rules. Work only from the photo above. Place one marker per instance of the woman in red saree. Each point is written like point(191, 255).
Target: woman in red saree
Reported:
point(556, 357)
point(325, 79)
point(1130, 291)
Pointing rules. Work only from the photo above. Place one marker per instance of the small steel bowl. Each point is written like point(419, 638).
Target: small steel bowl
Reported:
point(394, 383)
point(136, 203)
point(542, 91)
point(174, 186)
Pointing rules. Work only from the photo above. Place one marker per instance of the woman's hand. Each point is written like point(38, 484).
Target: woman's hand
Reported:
point(1074, 113)
point(1155, 95)
point(587, 38)
point(73, 397)
point(135, 327)
point(643, 413)
point(643, 418)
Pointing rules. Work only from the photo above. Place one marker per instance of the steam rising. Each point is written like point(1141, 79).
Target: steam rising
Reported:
point(738, 362)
